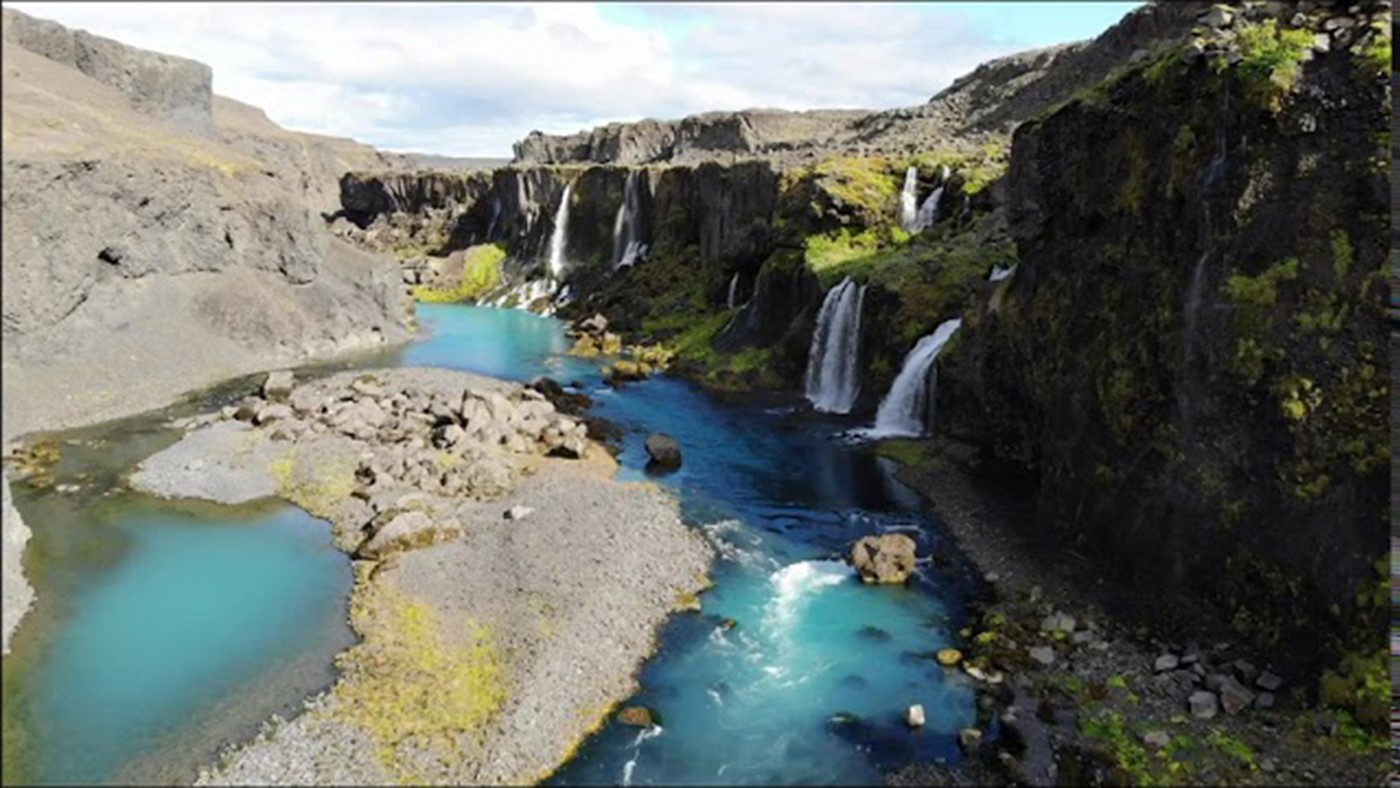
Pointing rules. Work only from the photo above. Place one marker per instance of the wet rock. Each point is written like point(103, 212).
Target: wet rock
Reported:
point(278, 385)
point(624, 371)
point(592, 325)
point(664, 450)
point(1265, 700)
point(406, 531)
point(637, 716)
point(1202, 704)
point(969, 739)
point(888, 558)
point(914, 716)
point(1165, 663)
point(949, 657)
point(1045, 655)
point(1268, 681)
point(518, 512)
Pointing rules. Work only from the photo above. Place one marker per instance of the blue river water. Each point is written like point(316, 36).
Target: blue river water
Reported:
point(783, 499)
point(162, 632)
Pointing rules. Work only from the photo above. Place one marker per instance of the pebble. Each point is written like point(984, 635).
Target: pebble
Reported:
point(1165, 663)
point(1203, 704)
point(1045, 655)
point(969, 738)
point(914, 717)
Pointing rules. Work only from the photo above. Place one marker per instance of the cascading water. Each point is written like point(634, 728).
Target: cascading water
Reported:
point(560, 236)
point(627, 244)
point(999, 273)
point(909, 200)
point(833, 380)
point(733, 292)
point(495, 216)
point(928, 212)
point(910, 399)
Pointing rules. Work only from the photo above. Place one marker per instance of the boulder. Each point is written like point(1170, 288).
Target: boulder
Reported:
point(1234, 696)
point(949, 657)
point(888, 558)
point(664, 450)
point(1165, 663)
point(1202, 704)
point(623, 371)
point(305, 401)
point(271, 413)
point(914, 717)
point(406, 531)
point(278, 385)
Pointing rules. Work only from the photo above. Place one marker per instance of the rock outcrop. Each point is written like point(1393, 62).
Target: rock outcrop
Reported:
point(147, 250)
point(17, 594)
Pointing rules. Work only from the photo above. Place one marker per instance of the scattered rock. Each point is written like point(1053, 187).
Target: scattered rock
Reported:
point(1058, 622)
point(1234, 696)
point(278, 385)
point(914, 717)
point(518, 512)
point(664, 450)
point(888, 558)
point(1045, 655)
point(1157, 740)
point(637, 716)
point(1268, 681)
point(1202, 704)
point(271, 413)
point(1265, 700)
point(1165, 663)
point(1218, 16)
point(969, 739)
point(406, 531)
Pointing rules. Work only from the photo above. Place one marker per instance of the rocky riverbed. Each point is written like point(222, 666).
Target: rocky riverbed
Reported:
point(506, 588)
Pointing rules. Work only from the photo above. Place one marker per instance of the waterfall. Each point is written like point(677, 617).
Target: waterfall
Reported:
point(911, 398)
point(495, 215)
point(999, 273)
point(833, 381)
point(560, 236)
point(909, 199)
point(733, 291)
point(928, 212)
point(627, 245)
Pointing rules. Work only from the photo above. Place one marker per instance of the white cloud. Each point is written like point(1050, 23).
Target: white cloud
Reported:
point(469, 79)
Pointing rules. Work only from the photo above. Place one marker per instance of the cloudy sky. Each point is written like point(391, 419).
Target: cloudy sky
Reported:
point(469, 79)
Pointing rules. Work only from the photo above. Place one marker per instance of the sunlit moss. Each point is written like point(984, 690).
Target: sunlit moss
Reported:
point(481, 273)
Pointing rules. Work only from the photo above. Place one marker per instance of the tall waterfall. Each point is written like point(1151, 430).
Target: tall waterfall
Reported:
point(627, 243)
point(733, 291)
point(908, 404)
point(928, 212)
point(560, 236)
point(495, 215)
point(909, 200)
point(833, 380)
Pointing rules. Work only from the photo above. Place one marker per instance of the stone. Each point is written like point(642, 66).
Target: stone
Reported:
point(1234, 696)
point(1058, 622)
point(948, 657)
point(247, 409)
point(636, 716)
point(448, 435)
point(1218, 16)
point(271, 413)
point(570, 447)
point(518, 512)
point(1268, 681)
point(407, 530)
point(1157, 740)
point(592, 325)
point(278, 385)
point(1081, 637)
point(664, 450)
point(1322, 43)
point(1165, 663)
point(1202, 704)
point(888, 558)
point(1045, 655)
point(914, 716)
point(624, 371)
point(1338, 23)
point(304, 401)
point(969, 739)
point(367, 387)
point(1246, 670)
point(1265, 700)
point(985, 675)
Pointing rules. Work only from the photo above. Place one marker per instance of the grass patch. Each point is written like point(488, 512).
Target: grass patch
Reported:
point(1272, 59)
point(905, 451)
point(316, 485)
point(481, 273)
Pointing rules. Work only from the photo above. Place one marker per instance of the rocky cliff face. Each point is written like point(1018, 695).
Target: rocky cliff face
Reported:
point(990, 100)
point(1190, 357)
point(150, 249)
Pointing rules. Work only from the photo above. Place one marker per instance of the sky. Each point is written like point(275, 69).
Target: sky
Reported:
point(469, 79)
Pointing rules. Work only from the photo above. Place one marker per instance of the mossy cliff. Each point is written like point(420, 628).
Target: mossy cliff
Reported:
point(1190, 358)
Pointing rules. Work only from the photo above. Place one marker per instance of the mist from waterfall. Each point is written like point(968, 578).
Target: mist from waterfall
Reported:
point(833, 378)
point(627, 244)
point(560, 236)
point(907, 408)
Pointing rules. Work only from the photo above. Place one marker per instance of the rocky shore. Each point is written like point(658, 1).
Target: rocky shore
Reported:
point(1081, 695)
point(506, 588)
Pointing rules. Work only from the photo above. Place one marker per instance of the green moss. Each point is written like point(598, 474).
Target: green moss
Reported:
point(1342, 253)
point(829, 256)
point(1122, 747)
point(869, 184)
point(1374, 55)
point(481, 273)
point(1254, 297)
point(316, 484)
point(412, 683)
point(1133, 194)
point(907, 452)
point(1360, 687)
point(1271, 61)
